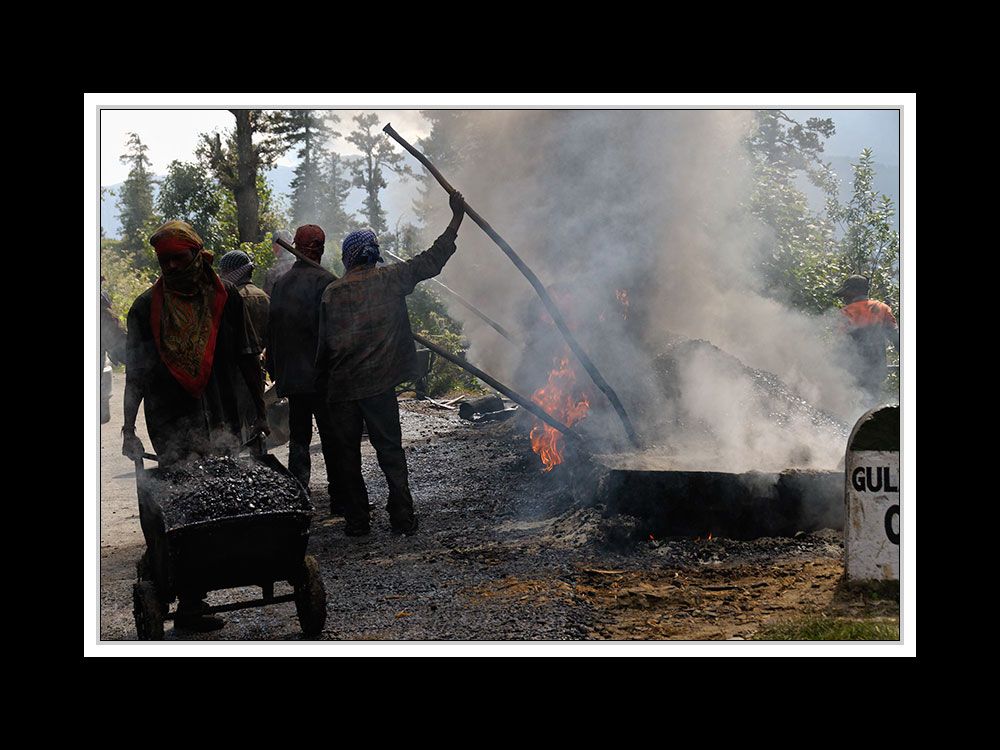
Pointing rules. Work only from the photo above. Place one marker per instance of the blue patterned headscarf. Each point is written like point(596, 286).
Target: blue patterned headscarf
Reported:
point(236, 267)
point(360, 248)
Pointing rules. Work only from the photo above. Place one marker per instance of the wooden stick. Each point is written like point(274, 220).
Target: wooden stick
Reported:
point(534, 281)
point(300, 256)
point(494, 383)
point(459, 298)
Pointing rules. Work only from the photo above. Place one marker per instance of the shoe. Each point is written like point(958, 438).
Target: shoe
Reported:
point(406, 528)
point(357, 530)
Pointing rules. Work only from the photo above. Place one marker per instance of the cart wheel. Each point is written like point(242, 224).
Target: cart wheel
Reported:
point(310, 598)
point(148, 611)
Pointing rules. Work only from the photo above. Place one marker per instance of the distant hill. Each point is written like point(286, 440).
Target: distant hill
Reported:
point(397, 200)
point(398, 197)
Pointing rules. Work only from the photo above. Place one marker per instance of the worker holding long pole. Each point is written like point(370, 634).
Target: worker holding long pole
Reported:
point(550, 306)
point(365, 349)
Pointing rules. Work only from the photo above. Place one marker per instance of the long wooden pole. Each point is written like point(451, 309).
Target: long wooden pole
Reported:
point(455, 359)
point(534, 281)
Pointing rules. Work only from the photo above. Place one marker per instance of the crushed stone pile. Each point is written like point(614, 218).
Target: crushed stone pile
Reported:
point(217, 487)
point(772, 397)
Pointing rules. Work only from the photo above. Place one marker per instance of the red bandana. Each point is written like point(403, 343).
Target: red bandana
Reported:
point(185, 326)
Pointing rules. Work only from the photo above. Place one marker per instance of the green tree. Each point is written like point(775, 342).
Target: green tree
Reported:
point(135, 204)
point(188, 193)
point(308, 131)
point(869, 245)
point(798, 263)
point(336, 221)
point(236, 166)
point(378, 155)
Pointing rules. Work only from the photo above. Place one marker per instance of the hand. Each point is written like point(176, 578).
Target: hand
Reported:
point(261, 425)
point(457, 203)
point(132, 446)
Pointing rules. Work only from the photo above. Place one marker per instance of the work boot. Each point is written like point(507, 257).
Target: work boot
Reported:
point(406, 528)
point(193, 615)
point(357, 529)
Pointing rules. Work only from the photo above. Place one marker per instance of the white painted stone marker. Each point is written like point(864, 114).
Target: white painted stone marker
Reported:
point(871, 530)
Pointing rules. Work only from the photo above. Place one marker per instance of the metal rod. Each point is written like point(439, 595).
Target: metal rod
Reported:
point(535, 282)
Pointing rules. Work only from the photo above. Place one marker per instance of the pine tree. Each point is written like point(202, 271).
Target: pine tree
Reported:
point(337, 223)
point(377, 156)
point(135, 203)
point(310, 132)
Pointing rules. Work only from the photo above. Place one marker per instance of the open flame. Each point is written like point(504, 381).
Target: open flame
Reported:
point(561, 398)
point(622, 296)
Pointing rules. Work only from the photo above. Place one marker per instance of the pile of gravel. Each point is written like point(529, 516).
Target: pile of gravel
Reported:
point(216, 487)
point(774, 398)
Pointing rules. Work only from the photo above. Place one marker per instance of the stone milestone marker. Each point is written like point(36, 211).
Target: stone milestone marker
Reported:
point(871, 529)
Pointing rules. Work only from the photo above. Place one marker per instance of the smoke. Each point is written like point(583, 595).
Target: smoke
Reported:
point(648, 207)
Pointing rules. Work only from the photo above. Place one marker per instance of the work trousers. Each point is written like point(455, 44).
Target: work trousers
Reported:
point(381, 415)
point(302, 408)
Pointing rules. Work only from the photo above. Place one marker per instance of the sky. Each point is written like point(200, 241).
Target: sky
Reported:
point(173, 134)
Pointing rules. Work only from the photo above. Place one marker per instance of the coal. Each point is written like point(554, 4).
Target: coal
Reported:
point(215, 487)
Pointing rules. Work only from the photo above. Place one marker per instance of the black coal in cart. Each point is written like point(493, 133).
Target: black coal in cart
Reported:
point(222, 523)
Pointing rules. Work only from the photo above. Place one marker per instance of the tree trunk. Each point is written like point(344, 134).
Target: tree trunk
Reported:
point(245, 189)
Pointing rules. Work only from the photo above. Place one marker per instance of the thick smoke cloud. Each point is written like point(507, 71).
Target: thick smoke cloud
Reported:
point(646, 207)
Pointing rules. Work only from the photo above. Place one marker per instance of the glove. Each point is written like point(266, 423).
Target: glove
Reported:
point(132, 445)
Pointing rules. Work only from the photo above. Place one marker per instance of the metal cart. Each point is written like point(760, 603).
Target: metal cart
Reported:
point(237, 551)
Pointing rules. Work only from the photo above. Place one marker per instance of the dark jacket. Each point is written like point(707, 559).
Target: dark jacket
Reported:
point(257, 306)
point(366, 346)
point(293, 328)
point(175, 421)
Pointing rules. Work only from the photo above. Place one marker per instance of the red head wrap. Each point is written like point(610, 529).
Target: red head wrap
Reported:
point(309, 240)
point(175, 237)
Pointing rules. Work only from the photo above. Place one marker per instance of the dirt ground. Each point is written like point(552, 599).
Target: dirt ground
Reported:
point(505, 556)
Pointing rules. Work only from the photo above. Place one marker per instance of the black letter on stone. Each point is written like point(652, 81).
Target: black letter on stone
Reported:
point(893, 535)
point(858, 479)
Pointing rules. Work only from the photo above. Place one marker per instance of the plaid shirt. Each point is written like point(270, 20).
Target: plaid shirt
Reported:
point(365, 343)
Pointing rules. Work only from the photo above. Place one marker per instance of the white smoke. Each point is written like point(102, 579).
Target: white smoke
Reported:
point(650, 202)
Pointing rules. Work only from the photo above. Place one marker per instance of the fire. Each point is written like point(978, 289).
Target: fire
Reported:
point(560, 398)
point(622, 296)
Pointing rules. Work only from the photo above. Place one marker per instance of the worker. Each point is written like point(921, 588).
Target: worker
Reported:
point(283, 260)
point(188, 341)
point(293, 332)
point(237, 268)
point(365, 350)
point(868, 325)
